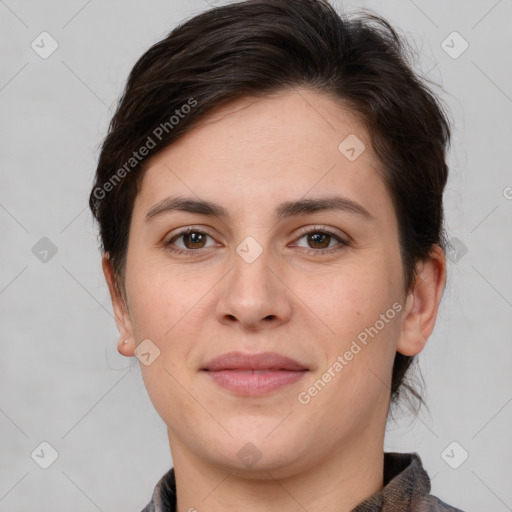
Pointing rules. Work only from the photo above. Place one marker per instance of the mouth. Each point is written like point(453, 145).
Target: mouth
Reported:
point(253, 374)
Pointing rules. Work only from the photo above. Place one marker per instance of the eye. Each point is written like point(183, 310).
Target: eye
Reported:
point(192, 239)
point(320, 240)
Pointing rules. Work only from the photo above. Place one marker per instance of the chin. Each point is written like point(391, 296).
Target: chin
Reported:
point(255, 451)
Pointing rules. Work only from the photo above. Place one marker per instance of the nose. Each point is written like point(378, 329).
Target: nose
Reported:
point(254, 295)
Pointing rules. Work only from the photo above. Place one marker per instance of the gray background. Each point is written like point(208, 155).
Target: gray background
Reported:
point(61, 379)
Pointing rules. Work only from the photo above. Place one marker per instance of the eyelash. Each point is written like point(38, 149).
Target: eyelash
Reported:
point(314, 252)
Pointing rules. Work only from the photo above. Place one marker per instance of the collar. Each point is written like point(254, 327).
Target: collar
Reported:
point(406, 487)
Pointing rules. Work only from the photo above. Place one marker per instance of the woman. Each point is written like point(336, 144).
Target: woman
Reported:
point(269, 198)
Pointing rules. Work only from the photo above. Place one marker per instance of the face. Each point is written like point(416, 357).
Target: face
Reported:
point(274, 271)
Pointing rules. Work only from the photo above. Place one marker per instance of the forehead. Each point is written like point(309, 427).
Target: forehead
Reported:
point(279, 147)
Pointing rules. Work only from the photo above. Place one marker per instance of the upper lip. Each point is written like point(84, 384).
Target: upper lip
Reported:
point(261, 361)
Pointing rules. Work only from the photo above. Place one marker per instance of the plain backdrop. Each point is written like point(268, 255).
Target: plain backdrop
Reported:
point(62, 381)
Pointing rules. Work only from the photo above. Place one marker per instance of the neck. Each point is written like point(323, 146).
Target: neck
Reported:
point(338, 483)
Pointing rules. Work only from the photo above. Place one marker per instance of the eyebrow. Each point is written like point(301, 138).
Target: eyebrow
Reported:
point(284, 210)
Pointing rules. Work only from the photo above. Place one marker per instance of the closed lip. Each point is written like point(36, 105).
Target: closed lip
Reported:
point(262, 361)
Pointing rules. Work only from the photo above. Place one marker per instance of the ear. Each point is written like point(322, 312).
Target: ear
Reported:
point(422, 303)
point(121, 314)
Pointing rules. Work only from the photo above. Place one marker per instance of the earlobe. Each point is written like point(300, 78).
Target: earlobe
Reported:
point(125, 345)
point(422, 303)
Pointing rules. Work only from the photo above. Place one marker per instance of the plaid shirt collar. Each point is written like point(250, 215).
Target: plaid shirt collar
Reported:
point(406, 488)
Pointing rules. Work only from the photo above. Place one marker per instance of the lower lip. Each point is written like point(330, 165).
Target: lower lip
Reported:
point(244, 383)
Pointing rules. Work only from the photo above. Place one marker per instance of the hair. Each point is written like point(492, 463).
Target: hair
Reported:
point(259, 47)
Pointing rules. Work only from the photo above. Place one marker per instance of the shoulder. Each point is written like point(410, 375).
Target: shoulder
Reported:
point(164, 495)
point(407, 486)
point(432, 504)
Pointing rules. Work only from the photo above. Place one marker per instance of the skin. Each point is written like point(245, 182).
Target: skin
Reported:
point(249, 156)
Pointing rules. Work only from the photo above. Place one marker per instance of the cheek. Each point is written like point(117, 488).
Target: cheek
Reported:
point(160, 298)
point(353, 383)
point(169, 306)
point(361, 307)
point(163, 306)
point(350, 298)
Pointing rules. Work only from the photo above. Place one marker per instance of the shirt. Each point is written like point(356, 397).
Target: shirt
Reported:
point(406, 489)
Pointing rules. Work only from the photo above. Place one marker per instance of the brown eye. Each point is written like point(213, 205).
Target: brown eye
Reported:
point(189, 241)
point(194, 240)
point(319, 240)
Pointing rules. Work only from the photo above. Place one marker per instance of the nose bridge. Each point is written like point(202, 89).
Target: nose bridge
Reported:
point(251, 277)
point(252, 293)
